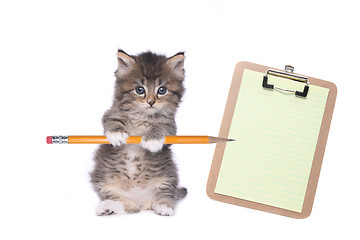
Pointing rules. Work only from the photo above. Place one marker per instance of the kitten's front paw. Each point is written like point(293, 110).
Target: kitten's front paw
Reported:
point(153, 145)
point(116, 138)
point(163, 210)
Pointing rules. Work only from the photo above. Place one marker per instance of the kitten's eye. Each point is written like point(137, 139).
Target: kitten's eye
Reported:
point(162, 90)
point(140, 90)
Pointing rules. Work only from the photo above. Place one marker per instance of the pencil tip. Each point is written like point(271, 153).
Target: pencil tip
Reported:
point(230, 140)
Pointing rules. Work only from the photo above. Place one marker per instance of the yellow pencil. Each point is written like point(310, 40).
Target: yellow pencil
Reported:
point(97, 139)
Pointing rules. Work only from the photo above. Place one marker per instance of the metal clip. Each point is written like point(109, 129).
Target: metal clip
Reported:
point(289, 74)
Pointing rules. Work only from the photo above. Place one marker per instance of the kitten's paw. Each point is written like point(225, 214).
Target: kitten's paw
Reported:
point(108, 207)
point(153, 145)
point(116, 138)
point(131, 207)
point(163, 210)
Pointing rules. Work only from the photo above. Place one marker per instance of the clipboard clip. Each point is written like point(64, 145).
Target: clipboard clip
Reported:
point(289, 74)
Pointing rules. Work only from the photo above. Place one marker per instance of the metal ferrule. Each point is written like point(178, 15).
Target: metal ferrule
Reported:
point(60, 139)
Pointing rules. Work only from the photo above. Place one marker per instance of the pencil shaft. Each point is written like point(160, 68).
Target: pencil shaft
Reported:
point(97, 139)
point(137, 139)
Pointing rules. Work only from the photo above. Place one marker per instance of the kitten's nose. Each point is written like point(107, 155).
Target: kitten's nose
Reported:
point(151, 102)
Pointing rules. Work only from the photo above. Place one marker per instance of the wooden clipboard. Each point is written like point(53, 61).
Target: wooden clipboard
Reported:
point(320, 144)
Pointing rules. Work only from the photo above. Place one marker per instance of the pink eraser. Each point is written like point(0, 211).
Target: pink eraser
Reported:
point(49, 139)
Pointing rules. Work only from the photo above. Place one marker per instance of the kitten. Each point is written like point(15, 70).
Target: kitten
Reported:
point(130, 178)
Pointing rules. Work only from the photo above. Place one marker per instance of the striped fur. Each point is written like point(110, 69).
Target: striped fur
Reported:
point(130, 178)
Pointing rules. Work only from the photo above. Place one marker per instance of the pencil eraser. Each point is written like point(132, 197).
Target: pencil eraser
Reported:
point(49, 139)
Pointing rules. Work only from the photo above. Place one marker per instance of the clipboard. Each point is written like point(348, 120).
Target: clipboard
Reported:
point(280, 121)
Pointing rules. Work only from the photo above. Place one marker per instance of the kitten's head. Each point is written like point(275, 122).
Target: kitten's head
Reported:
point(149, 83)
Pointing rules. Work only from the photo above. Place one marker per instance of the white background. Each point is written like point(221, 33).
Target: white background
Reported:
point(57, 60)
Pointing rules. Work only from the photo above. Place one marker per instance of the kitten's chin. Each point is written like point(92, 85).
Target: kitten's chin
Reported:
point(151, 110)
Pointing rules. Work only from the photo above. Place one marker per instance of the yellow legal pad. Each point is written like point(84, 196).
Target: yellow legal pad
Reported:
point(269, 165)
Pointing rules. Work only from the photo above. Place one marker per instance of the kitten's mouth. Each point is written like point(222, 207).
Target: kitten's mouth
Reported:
point(151, 109)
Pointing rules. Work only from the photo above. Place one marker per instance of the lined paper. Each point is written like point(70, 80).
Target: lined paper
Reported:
point(276, 135)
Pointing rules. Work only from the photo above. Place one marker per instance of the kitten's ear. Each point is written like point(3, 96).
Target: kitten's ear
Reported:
point(176, 63)
point(124, 62)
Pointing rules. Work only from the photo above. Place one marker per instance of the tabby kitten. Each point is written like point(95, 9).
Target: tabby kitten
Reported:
point(130, 178)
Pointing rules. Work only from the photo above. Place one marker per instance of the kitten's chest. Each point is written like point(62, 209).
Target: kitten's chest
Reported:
point(138, 127)
point(133, 162)
point(134, 181)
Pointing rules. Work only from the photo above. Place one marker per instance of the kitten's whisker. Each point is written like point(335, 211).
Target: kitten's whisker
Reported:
point(165, 113)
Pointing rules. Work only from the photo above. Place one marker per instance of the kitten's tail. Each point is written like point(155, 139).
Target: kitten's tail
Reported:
point(180, 193)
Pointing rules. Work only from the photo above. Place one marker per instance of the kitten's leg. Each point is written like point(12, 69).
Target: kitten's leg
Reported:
point(113, 202)
point(114, 128)
point(163, 209)
point(108, 207)
point(154, 139)
point(119, 206)
point(163, 202)
point(130, 205)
